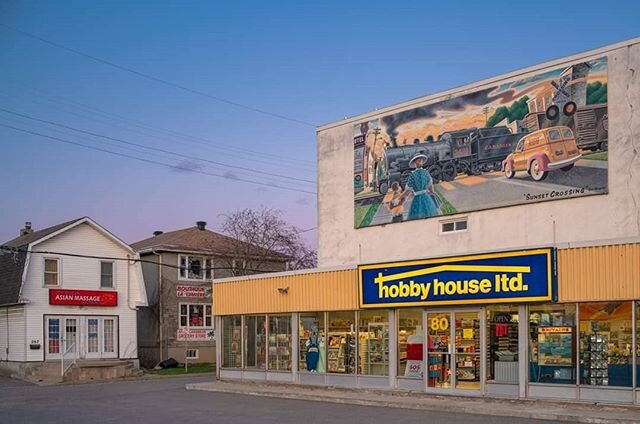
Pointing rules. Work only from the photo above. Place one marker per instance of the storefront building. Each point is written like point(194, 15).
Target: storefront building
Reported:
point(481, 241)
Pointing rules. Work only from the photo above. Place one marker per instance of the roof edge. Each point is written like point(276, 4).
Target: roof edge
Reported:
point(282, 274)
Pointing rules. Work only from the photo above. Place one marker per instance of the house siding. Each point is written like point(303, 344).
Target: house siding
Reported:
point(82, 274)
point(15, 339)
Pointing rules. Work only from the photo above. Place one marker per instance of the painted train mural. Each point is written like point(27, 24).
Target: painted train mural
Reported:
point(518, 142)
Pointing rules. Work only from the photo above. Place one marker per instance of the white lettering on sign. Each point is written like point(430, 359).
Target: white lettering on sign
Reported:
point(77, 298)
point(195, 292)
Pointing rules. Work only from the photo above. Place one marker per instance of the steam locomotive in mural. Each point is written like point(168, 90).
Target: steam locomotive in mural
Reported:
point(470, 151)
point(473, 151)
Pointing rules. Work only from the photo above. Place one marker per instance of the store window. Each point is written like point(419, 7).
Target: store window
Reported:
point(637, 343)
point(195, 315)
point(502, 347)
point(341, 343)
point(552, 343)
point(373, 342)
point(313, 351)
point(280, 343)
point(606, 344)
point(255, 341)
point(410, 343)
point(232, 341)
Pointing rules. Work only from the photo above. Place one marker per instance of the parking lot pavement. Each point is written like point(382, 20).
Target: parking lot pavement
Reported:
point(165, 400)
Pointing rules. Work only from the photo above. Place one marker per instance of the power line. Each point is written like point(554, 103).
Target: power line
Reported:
point(119, 140)
point(200, 141)
point(156, 79)
point(153, 162)
point(15, 250)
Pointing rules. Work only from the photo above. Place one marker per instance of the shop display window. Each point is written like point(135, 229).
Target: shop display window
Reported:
point(552, 343)
point(255, 330)
point(279, 343)
point(313, 351)
point(410, 343)
point(439, 350)
point(341, 343)
point(232, 341)
point(373, 342)
point(502, 344)
point(606, 344)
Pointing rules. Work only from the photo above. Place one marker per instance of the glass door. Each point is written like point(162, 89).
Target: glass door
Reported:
point(109, 338)
point(467, 350)
point(453, 350)
point(70, 344)
point(93, 338)
point(53, 346)
point(439, 350)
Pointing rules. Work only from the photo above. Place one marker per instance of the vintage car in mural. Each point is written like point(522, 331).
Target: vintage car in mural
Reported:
point(470, 151)
point(542, 151)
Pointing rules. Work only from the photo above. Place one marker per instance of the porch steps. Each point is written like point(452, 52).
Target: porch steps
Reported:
point(83, 371)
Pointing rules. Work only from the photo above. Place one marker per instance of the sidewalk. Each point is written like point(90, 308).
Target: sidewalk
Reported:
point(534, 409)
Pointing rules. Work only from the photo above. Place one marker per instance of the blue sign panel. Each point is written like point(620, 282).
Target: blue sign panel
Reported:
point(507, 277)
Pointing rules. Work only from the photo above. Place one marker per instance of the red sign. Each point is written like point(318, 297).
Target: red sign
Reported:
point(83, 297)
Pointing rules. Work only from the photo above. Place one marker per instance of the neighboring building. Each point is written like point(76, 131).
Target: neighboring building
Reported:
point(67, 290)
point(178, 268)
point(485, 284)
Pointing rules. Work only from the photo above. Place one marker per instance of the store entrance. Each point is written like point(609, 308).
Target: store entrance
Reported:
point(453, 350)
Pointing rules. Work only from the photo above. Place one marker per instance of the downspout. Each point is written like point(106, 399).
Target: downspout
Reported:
point(129, 283)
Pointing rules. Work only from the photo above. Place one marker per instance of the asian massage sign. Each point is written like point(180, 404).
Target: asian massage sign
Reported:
point(83, 297)
point(525, 276)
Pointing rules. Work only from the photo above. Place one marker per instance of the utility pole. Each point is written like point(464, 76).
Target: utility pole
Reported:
point(486, 115)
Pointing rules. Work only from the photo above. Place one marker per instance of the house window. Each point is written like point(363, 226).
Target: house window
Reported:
point(195, 315)
point(51, 272)
point(106, 275)
point(454, 225)
point(195, 268)
point(192, 353)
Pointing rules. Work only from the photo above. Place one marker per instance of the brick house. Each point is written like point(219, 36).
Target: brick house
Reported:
point(178, 269)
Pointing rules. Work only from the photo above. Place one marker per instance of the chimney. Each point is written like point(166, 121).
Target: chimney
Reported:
point(157, 233)
point(27, 229)
point(201, 225)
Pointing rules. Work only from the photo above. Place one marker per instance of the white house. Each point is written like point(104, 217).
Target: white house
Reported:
point(70, 289)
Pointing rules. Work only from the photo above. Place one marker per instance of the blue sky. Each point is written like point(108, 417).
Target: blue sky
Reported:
point(313, 62)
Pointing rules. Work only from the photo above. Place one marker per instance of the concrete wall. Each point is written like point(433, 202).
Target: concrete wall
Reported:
point(582, 220)
point(83, 274)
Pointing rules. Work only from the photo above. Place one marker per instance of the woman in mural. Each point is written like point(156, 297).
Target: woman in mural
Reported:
point(421, 183)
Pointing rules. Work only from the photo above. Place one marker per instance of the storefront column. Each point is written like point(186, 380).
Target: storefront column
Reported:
point(218, 338)
point(295, 348)
point(523, 349)
point(425, 346)
point(634, 356)
point(392, 344)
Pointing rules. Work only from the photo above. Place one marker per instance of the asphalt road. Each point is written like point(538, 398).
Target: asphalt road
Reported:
point(166, 401)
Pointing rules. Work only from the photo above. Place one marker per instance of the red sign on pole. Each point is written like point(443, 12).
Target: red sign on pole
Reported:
point(83, 297)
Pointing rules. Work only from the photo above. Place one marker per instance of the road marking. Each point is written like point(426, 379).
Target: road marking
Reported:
point(472, 180)
point(534, 185)
point(447, 185)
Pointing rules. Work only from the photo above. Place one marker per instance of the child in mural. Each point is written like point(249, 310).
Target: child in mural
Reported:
point(420, 183)
point(394, 202)
point(313, 350)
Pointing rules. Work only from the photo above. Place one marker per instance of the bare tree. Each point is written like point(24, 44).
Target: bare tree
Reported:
point(261, 233)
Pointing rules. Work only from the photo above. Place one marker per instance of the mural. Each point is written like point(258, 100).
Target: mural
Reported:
point(544, 137)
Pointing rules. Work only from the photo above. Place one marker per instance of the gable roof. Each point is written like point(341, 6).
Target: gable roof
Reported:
point(205, 241)
point(27, 239)
point(12, 265)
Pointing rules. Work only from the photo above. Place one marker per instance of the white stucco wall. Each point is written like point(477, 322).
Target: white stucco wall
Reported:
point(82, 274)
point(583, 220)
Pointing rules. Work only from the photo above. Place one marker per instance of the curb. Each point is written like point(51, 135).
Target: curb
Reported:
point(443, 407)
